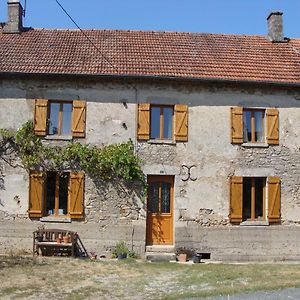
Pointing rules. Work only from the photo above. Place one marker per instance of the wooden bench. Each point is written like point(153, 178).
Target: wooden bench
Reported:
point(60, 242)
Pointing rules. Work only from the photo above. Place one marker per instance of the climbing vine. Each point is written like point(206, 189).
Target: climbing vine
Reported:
point(110, 162)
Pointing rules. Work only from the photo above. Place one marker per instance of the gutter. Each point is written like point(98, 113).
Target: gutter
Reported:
point(151, 77)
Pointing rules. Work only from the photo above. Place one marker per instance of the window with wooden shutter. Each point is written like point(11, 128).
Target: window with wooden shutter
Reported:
point(143, 121)
point(76, 195)
point(79, 118)
point(236, 199)
point(272, 126)
point(40, 116)
point(236, 125)
point(274, 199)
point(181, 122)
point(36, 194)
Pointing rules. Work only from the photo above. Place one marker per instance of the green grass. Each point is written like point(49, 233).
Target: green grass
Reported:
point(67, 278)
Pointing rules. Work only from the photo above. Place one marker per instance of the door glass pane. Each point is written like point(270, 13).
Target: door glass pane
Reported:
point(168, 113)
point(258, 115)
point(155, 122)
point(66, 121)
point(153, 197)
point(50, 193)
point(246, 198)
point(53, 119)
point(247, 126)
point(165, 197)
point(259, 198)
point(63, 194)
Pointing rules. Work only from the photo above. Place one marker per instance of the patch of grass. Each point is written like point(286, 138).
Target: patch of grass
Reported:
point(68, 278)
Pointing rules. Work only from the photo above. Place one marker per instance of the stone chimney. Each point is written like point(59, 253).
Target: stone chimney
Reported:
point(275, 27)
point(15, 17)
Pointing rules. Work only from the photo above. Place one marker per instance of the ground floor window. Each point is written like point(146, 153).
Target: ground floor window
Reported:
point(56, 194)
point(255, 198)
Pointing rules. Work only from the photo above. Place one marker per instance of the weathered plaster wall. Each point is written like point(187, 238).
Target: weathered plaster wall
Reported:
point(201, 206)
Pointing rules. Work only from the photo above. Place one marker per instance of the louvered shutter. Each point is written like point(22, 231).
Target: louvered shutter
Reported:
point(36, 194)
point(272, 126)
point(78, 118)
point(76, 190)
point(236, 199)
point(143, 121)
point(181, 123)
point(236, 125)
point(273, 199)
point(40, 116)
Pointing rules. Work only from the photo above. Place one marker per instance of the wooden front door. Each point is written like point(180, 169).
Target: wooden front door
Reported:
point(160, 210)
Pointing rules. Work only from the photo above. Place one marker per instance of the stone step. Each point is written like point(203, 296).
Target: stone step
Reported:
point(160, 249)
point(160, 256)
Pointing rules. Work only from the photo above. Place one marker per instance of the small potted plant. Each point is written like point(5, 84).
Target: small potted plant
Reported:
point(40, 233)
point(66, 238)
point(121, 250)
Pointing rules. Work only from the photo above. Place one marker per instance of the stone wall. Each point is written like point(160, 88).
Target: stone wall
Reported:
point(116, 212)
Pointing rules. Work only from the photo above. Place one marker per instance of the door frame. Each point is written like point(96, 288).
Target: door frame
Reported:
point(149, 238)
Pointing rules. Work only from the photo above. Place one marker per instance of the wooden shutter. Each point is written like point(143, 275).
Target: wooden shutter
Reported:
point(237, 125)
point(236, 199)
point(40, 116)
point(181, 122)
point(143, 121)
point(78, 118)
point(36, 194)
point(76, 190)
point(273, 199)
point(272, 126)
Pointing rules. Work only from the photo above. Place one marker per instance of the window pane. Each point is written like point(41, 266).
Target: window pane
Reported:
point(63, 194)
point(153, 197)
point(53, 120)
point(67, 115)
point(258, 115)
point(259, 187)
point(50, 193)
point(165, 197)
point(155, 122)
point(168, 113)
point(247, 126)
point(246, 198)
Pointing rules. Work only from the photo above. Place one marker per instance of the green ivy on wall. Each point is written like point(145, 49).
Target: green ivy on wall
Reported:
point(110, 162)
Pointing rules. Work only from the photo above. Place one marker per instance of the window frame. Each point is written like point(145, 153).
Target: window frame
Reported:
point(161, 122)
point(253, 110)
point(252, 201)
point(56, 197)
point(60, 118)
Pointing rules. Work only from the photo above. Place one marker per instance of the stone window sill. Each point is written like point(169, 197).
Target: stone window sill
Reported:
point(52, 219)
point(255, 145)
point(59, 137)
point(254, 223)
point(168, 142)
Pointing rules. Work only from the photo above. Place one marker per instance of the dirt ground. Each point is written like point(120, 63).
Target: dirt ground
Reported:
point(69, 278)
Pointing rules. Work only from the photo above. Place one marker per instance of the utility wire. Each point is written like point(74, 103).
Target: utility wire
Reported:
point(86, 36)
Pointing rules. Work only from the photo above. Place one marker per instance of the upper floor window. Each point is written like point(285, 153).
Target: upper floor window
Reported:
point(162, 122)
point(254, 125)
point(60, 118)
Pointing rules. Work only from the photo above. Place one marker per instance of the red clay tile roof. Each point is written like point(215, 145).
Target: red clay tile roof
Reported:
point(148, 53)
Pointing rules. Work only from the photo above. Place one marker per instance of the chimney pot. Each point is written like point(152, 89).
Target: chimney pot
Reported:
point(15, 17)
point(275, 27)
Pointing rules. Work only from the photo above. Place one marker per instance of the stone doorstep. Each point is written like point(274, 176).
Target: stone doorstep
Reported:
point(160, 257)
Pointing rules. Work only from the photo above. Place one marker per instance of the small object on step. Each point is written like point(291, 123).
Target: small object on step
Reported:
point(197, 258)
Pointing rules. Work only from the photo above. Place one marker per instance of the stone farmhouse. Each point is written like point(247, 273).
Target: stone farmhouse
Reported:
point(214, 118)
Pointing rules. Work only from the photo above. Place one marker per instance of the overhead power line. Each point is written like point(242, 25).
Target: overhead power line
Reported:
point(87, 37)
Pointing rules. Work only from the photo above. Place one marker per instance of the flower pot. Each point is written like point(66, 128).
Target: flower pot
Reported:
point(197, 258)
point(122, 255)
point(58, 240)
point(66, 239)
point(182, 257)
